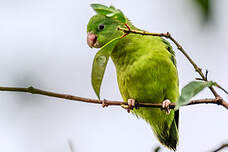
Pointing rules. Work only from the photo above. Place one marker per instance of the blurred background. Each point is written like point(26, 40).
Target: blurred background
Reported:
point(43, 44)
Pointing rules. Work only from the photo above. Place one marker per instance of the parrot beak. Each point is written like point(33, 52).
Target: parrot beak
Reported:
point(92, 40)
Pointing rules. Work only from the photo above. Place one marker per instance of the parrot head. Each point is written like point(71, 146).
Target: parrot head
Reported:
point(101, 29)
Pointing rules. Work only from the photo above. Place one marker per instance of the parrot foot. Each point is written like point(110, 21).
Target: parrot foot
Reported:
point(130, 105)
point(165, 106)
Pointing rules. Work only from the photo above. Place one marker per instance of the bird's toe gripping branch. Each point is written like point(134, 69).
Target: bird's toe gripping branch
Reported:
point(165, 106)
point(131, 104)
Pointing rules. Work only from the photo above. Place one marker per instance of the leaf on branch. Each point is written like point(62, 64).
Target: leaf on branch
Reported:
point(102, 9)
point(99, 64)
point(190, 90)
point(109, 12)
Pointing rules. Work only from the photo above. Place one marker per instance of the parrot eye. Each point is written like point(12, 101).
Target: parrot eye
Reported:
point(101, 27)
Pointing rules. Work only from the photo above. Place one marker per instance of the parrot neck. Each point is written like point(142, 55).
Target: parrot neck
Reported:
point(124, 52)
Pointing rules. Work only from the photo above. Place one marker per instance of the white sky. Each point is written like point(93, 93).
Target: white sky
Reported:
point(43, 44)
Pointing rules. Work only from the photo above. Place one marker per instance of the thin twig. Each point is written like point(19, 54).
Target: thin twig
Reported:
point(217, 100)
point(220, 87)
point(220, 148)
point(168, 35)
point(197, 68)
point(71, 145)
point(106, 103)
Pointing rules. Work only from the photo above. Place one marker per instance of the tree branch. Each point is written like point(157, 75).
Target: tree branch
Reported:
point(217, 100)
point(106, 103)
point(221, 147)
point(197, 68)
point(168, 35)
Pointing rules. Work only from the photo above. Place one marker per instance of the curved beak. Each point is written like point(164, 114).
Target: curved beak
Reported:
point(92, 40)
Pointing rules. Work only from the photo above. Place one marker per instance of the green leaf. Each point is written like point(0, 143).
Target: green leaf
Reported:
point(120, 16)
point(112, 7)
point(99, 64)
point(102, 9)
point(109, 12)
point(190, 90)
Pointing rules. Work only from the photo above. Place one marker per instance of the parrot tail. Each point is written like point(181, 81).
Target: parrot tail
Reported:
point(169, 135)
point(170, 138)
point(165, 127)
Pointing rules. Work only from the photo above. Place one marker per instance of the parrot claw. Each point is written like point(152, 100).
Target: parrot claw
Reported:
point(130, 105)
point(165, 106)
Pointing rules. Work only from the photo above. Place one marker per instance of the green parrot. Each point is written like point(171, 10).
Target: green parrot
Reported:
point(146, 72)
